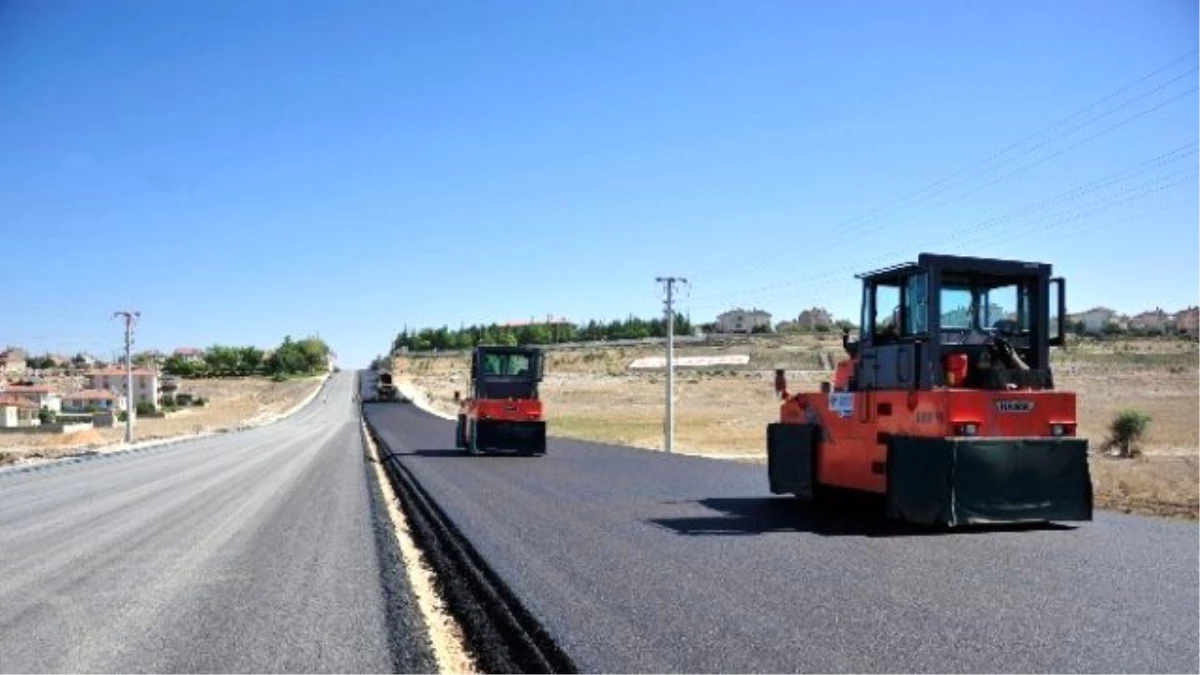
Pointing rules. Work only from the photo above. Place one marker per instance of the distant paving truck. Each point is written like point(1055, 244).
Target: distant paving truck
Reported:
point(503, 410)
point(385, 388)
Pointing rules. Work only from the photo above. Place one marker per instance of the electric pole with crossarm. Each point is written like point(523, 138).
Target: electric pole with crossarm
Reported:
point(669, 307)
point(130, 319)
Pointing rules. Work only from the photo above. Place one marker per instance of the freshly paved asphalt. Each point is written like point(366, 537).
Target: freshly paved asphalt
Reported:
point(258, 551)
point(637, 561)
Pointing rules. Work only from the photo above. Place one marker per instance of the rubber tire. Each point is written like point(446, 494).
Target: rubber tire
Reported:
point(473, 443)
point(460, 439)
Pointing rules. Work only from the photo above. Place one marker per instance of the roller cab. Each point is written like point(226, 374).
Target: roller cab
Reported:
point(503, 412)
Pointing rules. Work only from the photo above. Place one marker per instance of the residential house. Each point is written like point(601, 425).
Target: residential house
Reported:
point(1155, 321)
point(815, 318)
point(145, 384)
point(12, 361)
point(17, 412)
point(89, 400)
point(40, 396)
point(1095, 319)
point(740, 320)
point(190, 354)
point(1185, 321)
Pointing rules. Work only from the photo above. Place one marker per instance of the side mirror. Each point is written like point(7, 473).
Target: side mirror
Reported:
point(1059, 336)
point(851, 348)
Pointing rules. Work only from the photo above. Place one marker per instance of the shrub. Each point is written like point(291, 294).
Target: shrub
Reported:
point(1125, 431)
point(47, 416)
point(122, 416)
point(199, 400)
point(145, 408)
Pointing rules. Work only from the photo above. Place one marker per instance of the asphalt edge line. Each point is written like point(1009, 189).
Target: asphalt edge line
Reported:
point(503, 636)
point(446, 635)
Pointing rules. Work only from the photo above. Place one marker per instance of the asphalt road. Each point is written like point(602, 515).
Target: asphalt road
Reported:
point(637, 561)
point(258, 551)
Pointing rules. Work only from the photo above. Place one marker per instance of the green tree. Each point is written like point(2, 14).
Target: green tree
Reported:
point(39, 362)
point(47, 416)
point(249, 360)
point(221, 360)
point(145, 359)
point(177, 365)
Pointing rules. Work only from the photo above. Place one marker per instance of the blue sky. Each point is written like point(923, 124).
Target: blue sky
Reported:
point(346, 168)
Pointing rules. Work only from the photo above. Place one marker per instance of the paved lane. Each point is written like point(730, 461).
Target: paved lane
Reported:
point(637, 561)
point(256, 551)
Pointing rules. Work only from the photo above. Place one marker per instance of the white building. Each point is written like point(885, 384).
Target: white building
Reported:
point(815, 318)
point(743, 321)
point(145, 384)
point(1094, 320)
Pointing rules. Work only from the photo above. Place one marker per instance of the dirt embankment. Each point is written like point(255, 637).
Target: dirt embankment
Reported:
point(232, 402)
point(592, 394)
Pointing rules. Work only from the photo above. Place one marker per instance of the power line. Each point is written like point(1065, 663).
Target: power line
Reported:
point(924, 192)
point(1130, 195)
point(1179, 153)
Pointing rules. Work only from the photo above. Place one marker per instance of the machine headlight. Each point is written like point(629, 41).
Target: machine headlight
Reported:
point(967, 429)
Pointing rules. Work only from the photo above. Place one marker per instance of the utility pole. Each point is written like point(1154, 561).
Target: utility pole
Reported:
point(130, 406)
point(669, 307)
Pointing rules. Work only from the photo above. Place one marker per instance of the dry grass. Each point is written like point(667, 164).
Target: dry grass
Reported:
point(231, 402)
point(590, 394)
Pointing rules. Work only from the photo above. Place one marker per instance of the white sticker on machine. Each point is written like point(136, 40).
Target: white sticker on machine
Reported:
point(842, 403)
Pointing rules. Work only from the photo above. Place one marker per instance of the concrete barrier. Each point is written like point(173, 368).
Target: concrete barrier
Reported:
point(48, 429)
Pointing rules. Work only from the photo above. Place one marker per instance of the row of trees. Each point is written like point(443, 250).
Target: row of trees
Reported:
point(632, 328)
point(47, 362)
point(798, 327)
point(1080, 329)
point(292, 357)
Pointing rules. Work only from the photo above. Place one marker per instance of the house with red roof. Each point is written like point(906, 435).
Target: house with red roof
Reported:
point(88, 400)
point(189, 354)
point(37, 395)
point(17, 412)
